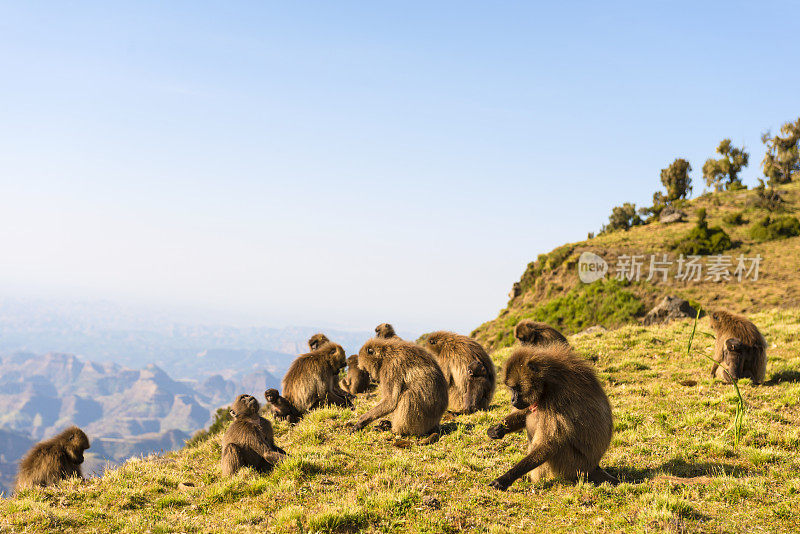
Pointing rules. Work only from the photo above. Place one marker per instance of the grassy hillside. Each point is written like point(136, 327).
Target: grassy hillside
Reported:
point(551, 291)
point(671, 421)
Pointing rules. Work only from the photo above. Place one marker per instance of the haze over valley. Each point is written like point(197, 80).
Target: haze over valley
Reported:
point(136, 383)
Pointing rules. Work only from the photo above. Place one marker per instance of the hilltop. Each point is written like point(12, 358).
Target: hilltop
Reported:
point(671, 421)
point(550, 290)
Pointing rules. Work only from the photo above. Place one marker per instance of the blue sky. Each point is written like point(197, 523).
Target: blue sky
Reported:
point(350, 163)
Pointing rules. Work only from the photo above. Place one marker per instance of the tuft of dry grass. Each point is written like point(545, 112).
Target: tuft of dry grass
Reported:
point(679, 471)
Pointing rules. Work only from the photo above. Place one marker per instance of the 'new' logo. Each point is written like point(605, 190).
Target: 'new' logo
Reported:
point(591, 267)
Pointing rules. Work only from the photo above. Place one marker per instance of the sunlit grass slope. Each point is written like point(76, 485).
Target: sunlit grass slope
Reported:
point(672, 448)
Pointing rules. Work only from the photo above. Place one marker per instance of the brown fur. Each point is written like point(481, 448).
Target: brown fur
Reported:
point(317, 340)
point(313, 379)
point(357, 379)
point(533, 333)
point(745, 356)
point(455, 353)
point(385, 331)
point(479, 384)
point(563, 407)
point(412, 387)
point(248, 441)
point(280, 408)
point(53, 460)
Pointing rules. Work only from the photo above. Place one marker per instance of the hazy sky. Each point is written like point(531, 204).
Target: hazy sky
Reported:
point(354, 163)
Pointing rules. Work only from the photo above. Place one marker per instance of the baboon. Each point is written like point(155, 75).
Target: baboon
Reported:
point(385, 331)
point(248, 441)
point(740, 348)
point(534, 333)
point(317, 340)
point(560, 402)
point(412, 387)
point(280, 407)
point(455, 353)
point(313, 379)
point(357, 379)
point(52, 460)
point(479, 383)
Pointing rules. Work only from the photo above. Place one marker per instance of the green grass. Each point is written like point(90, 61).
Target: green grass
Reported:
point(670, 421)
point(607, 303)
point(703, 239)
point(771, 228)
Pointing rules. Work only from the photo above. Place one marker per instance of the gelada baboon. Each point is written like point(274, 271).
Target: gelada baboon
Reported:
point(385, 331)
point(480, 384)
point(280, 407)
point(533, 333)
point(317, 340)
point(54, 459)
point(248, 441)
point(357, 379)
point(412, 387)
point(740, 348)
point(562, 405)
point(313, 379)
point(455, 353)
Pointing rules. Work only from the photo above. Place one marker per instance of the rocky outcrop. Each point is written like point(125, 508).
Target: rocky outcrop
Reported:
point(670, 215)
point(669, 309)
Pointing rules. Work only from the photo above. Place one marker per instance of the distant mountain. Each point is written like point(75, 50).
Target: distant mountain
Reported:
point(124, 411)
point(139, 383)
point(103, 332)
point(12, 447)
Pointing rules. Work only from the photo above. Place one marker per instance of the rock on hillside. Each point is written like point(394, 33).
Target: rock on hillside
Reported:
point(669, 309)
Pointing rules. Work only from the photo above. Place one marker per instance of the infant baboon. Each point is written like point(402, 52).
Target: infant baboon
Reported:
point(357, 379)
point(562, 405)
point(479, 384)
point(412, 387)
point(455, 353)
point(385, 331)
point(317, 340)
point(248, 441)
point(313, 379)
point(740, 348)
point(533, 333)
point(280, 407)
point(54, 459)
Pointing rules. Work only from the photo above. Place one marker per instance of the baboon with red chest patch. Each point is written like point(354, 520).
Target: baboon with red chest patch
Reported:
point(534, 333)
point(248, 441)
point(357, 379)
point(412, 387)
point(740, 348)
point(563, 407)
point(53, 460)
point(313, 379)
point(455, 353)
